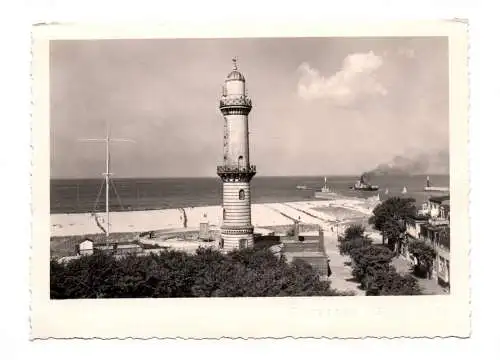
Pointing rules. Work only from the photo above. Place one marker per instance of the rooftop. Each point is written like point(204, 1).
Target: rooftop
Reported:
point(235, 74)
point(305, 254)
point(439, 199)
point(436, 226)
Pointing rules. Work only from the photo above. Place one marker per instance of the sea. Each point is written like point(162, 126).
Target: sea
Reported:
point(88, 195)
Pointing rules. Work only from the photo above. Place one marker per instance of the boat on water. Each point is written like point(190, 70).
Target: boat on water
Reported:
point(386, 191)
point(301, 187)
point(325, 192)
point(363, 185)
point(404, 191)
point(428, 187)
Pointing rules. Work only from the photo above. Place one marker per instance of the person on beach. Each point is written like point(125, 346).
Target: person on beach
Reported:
point(329, 269)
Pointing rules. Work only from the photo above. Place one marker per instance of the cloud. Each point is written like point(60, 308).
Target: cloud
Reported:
point(355, 80)
point(407, 52)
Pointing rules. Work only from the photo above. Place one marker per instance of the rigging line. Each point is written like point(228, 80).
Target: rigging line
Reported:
point(116, 193)
point(98, 196)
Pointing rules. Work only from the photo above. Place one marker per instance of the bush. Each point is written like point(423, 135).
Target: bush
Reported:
point(372, 265)
point(373, 270)
point(207, 273)
point(395, 284)
point(354, 231)
point(384, 280)
point(425, 255)
point(347, 246)
point(353, 238)
point(367, 257)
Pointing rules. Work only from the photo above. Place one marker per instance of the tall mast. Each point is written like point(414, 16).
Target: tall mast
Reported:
point(107, 174)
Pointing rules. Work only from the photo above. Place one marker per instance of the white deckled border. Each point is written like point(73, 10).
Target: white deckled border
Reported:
point(344, 317)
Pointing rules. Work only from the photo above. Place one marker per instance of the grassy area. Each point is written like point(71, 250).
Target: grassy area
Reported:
point(65, 245)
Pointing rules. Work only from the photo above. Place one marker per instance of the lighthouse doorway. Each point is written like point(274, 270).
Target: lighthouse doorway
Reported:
point(243, 243)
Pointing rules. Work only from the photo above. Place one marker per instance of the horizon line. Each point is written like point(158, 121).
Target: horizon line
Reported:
point(264, 176)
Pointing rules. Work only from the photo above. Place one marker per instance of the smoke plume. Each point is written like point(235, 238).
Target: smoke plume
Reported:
point(420, 164)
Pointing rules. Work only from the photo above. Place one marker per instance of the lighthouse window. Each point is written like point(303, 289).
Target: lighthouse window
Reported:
point(242, 194)
point(240, 161)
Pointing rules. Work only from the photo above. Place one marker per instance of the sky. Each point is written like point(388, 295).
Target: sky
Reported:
point(321, 106)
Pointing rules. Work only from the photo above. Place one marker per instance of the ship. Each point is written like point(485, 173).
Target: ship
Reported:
point(325, 192)
point(363, 185)
point(404, 191)
point(301, 187)
point(428, 187)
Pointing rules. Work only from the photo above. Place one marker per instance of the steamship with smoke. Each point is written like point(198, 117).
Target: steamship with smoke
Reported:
point(363, 185)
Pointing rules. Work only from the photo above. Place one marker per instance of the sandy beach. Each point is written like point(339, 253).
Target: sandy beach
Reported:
point(322, 213)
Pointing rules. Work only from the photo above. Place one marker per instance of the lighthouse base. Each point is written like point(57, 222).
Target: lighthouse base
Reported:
point(236, 239)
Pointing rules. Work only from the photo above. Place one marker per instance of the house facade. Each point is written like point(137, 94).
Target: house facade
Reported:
point(432, 225)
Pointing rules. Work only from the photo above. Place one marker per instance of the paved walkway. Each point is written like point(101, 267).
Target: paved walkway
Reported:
point(341, 273)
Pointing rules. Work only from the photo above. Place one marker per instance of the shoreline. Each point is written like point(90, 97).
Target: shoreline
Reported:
point(263, 215)
point(58, 211)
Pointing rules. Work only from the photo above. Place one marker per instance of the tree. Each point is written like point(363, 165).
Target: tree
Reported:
point(396, 284)
point(207, 273)
point(369, 257)
point(372, 263)
point(354, 237)
point(375, 277)
point(390, 218)
point(346, 247)
point(373, 269)
point(425, 255)
point(354, 231)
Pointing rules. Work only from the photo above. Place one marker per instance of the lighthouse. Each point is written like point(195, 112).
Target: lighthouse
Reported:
point(236, 171)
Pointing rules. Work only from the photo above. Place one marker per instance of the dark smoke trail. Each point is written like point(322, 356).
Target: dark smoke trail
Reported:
point(421, 164)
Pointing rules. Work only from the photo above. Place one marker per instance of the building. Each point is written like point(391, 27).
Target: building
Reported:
point(204, 229)
point(435, 206)
point(432, 226)
point(118, 248)
point(306, 247)
point(86, 247)
point(236, 172)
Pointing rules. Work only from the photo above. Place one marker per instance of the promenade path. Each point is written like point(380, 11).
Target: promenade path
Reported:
point(341, 273)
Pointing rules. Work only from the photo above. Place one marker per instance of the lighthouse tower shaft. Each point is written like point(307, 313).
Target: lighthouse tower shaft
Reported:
point(236, 171)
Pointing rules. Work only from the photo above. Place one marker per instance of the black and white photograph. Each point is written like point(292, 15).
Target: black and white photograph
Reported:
point(251, 167)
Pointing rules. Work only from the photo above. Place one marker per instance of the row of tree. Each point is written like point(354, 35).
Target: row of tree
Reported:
point(372, 265)
point(207, 273)
point(390, 218)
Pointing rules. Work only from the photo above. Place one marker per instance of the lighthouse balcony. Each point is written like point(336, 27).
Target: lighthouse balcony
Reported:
point(236, 169)
point(240, 101)
point(236, 173)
